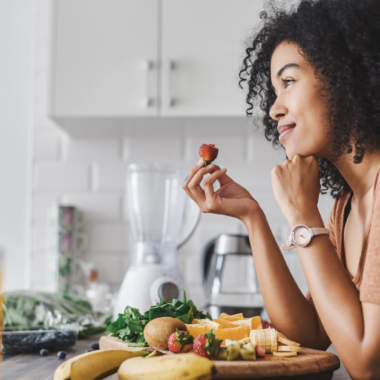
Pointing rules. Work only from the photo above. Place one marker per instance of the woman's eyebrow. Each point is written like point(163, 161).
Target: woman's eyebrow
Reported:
point(283, 68)
point(287, 66)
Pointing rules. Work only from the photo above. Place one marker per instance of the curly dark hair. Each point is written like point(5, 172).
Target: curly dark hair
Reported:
point(340, 39)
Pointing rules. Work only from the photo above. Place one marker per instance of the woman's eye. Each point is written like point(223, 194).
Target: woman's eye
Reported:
point(285, 81)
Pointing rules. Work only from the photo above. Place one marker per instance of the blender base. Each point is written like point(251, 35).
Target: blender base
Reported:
point(145, 285)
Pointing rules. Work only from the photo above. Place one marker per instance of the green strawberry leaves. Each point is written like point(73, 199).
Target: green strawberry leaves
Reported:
point(183, 338)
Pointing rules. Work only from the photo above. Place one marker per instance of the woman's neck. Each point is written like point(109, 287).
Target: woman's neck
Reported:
point(360, 177)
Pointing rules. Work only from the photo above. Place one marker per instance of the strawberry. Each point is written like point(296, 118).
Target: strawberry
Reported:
point(207, 345)
point(260, 351)
point(180, 341)
point(208, 153)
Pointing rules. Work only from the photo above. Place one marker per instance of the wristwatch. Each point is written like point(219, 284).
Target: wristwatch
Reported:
point(301, 236)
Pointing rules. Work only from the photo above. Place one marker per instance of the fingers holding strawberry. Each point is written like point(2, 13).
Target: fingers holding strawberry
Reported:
point(230, 199)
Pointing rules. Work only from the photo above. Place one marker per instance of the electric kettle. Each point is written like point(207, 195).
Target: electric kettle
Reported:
point(229, 277)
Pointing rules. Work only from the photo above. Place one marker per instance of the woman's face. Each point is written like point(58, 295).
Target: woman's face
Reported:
point(299, 104)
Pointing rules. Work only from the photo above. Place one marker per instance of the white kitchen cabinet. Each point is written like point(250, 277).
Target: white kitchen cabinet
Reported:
point(104, 58)
point(202, 51)
point(140, 66)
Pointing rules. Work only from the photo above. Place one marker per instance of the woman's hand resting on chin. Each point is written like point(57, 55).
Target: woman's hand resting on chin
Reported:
point(296, 188)
point(230, 199)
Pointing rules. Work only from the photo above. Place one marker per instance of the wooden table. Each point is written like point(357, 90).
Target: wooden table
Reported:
point(36, 367)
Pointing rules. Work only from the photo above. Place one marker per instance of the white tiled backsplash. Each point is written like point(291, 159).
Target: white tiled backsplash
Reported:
point(90, 175)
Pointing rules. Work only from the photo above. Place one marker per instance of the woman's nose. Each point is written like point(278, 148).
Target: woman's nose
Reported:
point(278, 109)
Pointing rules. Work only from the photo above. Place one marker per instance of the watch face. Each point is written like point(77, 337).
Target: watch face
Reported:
point(301, 236)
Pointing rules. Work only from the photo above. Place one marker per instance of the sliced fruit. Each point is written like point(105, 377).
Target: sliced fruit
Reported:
point(253, 323)
point(168, 367)
point(224, 323)
point(231, 318)
point(266, 338)
point(245, 340)
point(222, 354)
point(213, 324)
point(198, 329)
point(256, 323)
point(289, 348)
point(235, 333)
point(95, 364)
point(284, 353)
point(233, 351)
point(243, 322)
point(287, 341)
point(247, 352)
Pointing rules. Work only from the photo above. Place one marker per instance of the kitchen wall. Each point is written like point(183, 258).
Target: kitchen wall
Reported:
point(90, 175)
point(16, 78)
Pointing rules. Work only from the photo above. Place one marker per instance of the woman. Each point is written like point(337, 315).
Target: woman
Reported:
point(317, 71)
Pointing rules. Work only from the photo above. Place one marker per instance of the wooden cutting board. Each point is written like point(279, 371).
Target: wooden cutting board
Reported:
point(307, 365)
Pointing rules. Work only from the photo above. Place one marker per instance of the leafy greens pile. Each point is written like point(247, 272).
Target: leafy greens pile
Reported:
point(129, 327)
point(33, 310)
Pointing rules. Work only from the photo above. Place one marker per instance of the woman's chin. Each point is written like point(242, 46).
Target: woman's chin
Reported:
point(290, 153)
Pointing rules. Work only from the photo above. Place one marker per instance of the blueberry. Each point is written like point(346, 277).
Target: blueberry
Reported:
point(61, 354)
point(95, 346)
point(89, 350)
point(44, 352)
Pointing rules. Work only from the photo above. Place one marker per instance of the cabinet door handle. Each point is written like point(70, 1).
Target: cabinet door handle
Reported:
point(170, 69)
point(148, 65)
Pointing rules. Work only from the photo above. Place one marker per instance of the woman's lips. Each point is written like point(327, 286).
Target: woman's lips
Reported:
point(284, 130)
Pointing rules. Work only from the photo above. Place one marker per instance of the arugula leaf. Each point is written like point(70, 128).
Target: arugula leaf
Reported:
point(129, 326)
point(187, 318)
point(159, 311)
point(120, 323)
point(132, 314)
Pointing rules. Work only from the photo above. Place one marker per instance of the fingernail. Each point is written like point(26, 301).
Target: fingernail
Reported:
point(200, 163)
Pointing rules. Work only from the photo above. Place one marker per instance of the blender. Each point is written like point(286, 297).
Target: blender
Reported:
point(155, 208)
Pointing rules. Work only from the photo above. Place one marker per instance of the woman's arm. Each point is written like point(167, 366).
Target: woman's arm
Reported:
point(288, 309)
point(353, 328)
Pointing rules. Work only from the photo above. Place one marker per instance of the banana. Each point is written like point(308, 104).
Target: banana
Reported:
point(94, 365)
point(284, 353)
point(289, 348)
point(287, 341)
point(265, 338)
point(168, 367)
point(154, 353)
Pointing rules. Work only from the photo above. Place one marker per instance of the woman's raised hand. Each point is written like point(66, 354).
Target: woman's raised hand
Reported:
point(230, 199)
point(296, 188)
